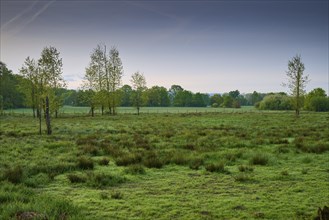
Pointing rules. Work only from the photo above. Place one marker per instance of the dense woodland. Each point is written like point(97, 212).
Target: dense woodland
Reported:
point(102, 89)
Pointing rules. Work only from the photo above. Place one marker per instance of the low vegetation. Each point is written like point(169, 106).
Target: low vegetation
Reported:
point(224, 165)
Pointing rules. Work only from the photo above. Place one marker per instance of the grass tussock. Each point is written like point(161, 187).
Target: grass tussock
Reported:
point(216, 167)
point(259, 159)
point(14, 175)
point(85, 163)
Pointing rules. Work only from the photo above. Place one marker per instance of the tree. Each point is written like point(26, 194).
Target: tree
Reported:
point(10, 95)
point(318, 92)
point(51, 65)
point(126, 93)
point(216, 100)
point(296, 81)
point(139, 85)
point(174, 89)
point(29, 71)
point(115, 74)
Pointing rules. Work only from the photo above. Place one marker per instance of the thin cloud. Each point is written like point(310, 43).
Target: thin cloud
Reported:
point(18, 16)
point(16, 24)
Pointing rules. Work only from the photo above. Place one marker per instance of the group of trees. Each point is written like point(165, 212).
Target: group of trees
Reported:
point(42, 79)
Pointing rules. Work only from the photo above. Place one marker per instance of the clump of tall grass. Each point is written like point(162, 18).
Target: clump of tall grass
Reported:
point(14, 175)
point(85, 163)
point(259, 159)
point(152, 160)
point(76, 178)
point(104, 161)
point(216, 167)
point(245, 168)
point(102, 180)
point(128, 159)
point(135, 169)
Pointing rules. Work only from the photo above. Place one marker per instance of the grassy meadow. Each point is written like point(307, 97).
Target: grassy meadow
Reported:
point(229, 164)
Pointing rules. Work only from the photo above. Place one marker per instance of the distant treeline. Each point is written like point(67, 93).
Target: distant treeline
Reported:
point(12, 96)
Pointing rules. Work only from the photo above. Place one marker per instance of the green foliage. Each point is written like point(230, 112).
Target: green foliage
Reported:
point(10, 95)
point(276, 102)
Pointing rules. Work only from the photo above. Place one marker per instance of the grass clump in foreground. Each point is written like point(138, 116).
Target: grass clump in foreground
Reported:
point(103, 167)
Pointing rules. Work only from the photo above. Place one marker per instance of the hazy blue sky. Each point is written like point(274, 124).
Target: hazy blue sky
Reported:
point(206, 46)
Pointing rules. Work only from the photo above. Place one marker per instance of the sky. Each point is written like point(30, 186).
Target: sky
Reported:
point(204, 46)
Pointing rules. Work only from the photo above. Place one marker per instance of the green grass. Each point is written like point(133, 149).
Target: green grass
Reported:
point(224, 165)
point(71, 110)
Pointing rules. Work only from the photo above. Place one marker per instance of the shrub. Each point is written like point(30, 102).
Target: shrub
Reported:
point(135, 169)
point(85, 163)
point(104, 162)
point(259, 159)
point(14, 175)
point(218, 167)
point(75, 178)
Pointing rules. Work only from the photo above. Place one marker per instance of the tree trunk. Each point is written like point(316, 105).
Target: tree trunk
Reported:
point(48, 117)
point(92, 111)
point(33, 109)
point(56, 113)
point(40, 118)
point(137, 110)
point(102, 110)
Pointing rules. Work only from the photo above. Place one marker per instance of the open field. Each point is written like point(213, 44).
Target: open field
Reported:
point(71, 110)
point(224, 165)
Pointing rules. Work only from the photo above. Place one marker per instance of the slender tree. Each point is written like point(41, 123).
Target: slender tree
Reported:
point(115, 75)
point(139, 85)
point(29, 71)
point(297, 81)
point(51, 70)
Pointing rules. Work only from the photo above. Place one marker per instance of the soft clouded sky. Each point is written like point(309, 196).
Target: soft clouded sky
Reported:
point(206, 46)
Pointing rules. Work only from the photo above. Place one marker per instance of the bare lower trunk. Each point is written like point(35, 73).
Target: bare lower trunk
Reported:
point(137, 110)
point(40, 118)
point(102, 110)
point(48, 117)
point(56, 113)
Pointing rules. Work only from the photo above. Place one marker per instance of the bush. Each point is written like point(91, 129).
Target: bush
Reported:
point(75, 178)
point(277, 101)
point(319, 104)
point(85, 163)
point(14, 175)
point(259, 159)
